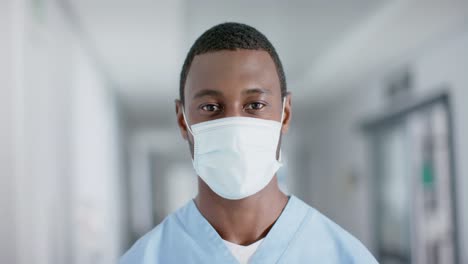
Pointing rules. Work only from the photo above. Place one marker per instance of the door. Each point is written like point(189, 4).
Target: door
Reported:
point(412, 154)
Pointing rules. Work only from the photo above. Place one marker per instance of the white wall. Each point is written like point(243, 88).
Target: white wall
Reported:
point(39, 135)
point(339, 149)
point(97, 232)
point(7, 209)
point(59, 147)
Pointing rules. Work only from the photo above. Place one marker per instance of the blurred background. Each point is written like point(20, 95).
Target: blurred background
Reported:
point(91, 157)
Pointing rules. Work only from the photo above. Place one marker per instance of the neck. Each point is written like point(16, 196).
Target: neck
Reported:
point(242, 221)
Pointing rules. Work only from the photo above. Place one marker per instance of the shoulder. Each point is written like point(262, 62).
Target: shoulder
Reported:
point(147, 248)
point(329, 236)
point(139, 252)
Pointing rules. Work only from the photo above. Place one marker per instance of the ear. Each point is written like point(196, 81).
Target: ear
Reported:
point(179, 108)
point(287, 114)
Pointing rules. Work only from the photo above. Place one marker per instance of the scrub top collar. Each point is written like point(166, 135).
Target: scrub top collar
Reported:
point(270, 250)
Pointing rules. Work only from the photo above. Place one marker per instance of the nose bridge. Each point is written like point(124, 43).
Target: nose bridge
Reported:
point(233, 108)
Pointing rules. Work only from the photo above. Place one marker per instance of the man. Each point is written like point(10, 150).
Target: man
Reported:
point(232, 111)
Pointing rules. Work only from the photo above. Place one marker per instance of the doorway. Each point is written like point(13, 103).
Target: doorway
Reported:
point(412, 153)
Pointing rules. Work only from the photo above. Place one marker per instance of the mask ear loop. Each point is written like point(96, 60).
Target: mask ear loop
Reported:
point(282, 112)
point(188, 127)
point(185, 119)
point(282, 116)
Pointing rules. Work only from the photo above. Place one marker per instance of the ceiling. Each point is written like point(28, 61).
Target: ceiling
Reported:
point(323, 45)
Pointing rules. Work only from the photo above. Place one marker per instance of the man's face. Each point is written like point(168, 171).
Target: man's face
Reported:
point(232, 83)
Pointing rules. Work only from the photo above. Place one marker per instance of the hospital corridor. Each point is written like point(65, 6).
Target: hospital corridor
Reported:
point(93, 154)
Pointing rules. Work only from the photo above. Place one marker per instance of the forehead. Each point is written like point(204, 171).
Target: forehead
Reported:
point(231, 72)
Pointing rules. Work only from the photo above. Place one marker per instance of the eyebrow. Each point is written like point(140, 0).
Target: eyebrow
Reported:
point(210, 92)
point(207, 92)
point(256, 91)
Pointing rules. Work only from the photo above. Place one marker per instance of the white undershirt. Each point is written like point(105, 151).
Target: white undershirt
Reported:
point(242, 253)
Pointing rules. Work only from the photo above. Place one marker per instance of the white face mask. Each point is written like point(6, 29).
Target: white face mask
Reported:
point(236, 156)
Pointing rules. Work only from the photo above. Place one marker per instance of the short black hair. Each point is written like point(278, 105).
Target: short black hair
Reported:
point(231, 36)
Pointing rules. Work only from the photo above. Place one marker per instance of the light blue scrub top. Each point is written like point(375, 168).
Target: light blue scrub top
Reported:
point(300, 235)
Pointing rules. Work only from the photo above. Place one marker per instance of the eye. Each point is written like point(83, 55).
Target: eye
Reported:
point(211, 107)
point(255, 106)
